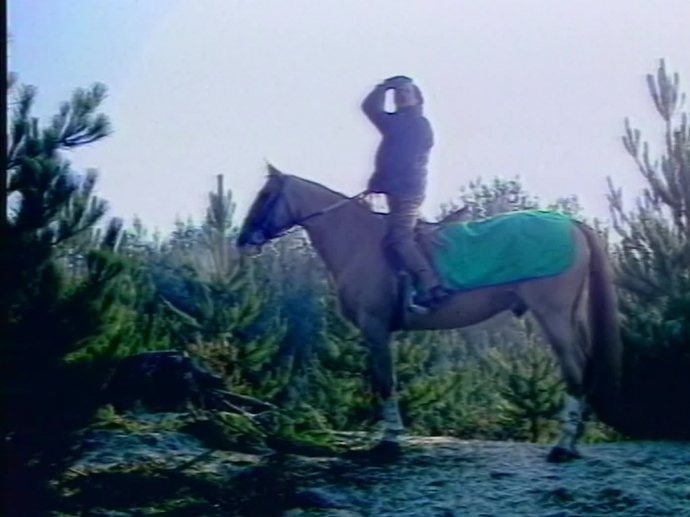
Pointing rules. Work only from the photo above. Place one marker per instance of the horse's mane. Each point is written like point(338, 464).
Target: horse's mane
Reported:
point(360, 202)
point(458, 215)
point(317, 184)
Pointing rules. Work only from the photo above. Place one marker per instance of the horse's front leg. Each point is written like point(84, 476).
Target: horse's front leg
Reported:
point(377, 335)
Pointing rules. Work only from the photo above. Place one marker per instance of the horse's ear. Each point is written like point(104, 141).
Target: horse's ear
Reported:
point(272, 171)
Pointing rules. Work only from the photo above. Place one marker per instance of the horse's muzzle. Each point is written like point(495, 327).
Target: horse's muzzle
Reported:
point(250, 250)
point(250, 245)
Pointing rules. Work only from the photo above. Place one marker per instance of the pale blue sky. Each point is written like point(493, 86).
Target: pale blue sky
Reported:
point(537, 88)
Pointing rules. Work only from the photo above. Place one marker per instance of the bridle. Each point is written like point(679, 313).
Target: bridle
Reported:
point(269, 233)
point(329, 208)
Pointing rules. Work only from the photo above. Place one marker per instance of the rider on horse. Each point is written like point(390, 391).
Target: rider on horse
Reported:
point(400, 174)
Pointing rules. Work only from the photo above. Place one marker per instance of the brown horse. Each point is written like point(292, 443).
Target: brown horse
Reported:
point(576, 309)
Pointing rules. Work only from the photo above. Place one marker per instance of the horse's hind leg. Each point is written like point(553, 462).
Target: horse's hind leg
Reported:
point(566, 337)
point(560, 329)
point(559, 306)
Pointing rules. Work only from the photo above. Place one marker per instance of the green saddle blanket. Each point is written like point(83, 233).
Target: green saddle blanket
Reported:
point(506, 248)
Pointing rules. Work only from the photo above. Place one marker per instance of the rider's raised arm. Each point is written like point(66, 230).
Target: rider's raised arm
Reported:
point(373, 107)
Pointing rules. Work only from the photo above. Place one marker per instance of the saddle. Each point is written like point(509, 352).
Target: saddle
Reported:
point(424, 237)
point(427, 238)
point(425, 232)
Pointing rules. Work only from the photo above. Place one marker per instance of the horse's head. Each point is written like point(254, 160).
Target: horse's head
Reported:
point(268, 216)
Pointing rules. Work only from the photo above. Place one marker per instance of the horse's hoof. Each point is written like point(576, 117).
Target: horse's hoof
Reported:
point(562, 455)
point(385, 452)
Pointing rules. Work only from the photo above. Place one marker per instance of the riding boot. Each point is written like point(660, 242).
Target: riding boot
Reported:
point(404, 214)
point(430, 293)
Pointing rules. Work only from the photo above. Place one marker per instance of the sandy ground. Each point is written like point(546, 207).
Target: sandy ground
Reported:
point(442, 477)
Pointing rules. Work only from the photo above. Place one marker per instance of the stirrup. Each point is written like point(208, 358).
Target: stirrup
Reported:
point(415, 308)
point(408, 296)
point(432, 298)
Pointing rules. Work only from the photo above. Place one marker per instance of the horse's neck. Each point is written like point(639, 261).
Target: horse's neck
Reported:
point(347, 238)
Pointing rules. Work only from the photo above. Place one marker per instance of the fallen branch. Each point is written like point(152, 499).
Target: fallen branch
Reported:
point(197, 459)
point(243, 400)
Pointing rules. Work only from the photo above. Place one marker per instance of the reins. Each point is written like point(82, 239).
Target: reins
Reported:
point(297, 224)
point(331, 207)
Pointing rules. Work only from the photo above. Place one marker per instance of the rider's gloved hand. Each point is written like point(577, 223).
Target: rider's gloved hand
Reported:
point(397, 81)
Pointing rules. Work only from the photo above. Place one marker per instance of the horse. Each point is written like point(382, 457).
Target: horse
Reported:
point(576, 309)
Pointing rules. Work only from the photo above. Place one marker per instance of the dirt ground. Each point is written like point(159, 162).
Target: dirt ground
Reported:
point(444, 477)
point(435, 477)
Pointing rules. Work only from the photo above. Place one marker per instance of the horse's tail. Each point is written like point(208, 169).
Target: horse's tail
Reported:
point(603, 373)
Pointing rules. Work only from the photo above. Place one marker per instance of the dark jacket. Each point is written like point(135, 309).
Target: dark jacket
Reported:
point(402, 156)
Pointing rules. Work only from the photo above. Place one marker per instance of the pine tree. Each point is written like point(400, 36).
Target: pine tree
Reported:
point(530, 384)
point(298, 282)
point(336, 382)
point(653, 269)
point(485, 199)
point(46, 314)
point(424, 388)
point(220, 309)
